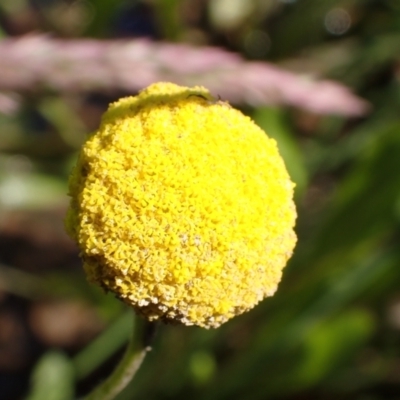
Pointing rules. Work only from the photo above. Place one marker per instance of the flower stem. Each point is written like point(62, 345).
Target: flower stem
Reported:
point(128, 366)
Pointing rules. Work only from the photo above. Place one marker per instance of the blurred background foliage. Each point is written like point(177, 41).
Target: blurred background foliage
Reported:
point(332, 329)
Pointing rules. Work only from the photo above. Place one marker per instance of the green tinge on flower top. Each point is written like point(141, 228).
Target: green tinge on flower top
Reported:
point(182, 207)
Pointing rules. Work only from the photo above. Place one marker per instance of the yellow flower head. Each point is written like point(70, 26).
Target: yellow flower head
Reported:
point(182, 206)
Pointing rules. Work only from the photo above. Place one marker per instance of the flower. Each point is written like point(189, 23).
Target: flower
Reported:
point(182, 207)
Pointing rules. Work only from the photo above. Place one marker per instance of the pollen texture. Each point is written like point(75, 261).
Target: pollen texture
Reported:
point(182, 206)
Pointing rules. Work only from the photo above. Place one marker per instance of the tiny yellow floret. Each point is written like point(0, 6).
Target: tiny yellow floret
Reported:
point(182, 206)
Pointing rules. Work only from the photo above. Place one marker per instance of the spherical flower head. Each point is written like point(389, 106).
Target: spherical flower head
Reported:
point(182, 207)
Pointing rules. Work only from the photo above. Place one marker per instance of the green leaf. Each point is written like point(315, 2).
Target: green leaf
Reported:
point(100, 349)
point(366, 204)
point(52, 378)
point(31, 190)
point(330, 345)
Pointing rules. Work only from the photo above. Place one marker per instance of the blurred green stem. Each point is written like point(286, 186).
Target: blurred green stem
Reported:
point(127, 368)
